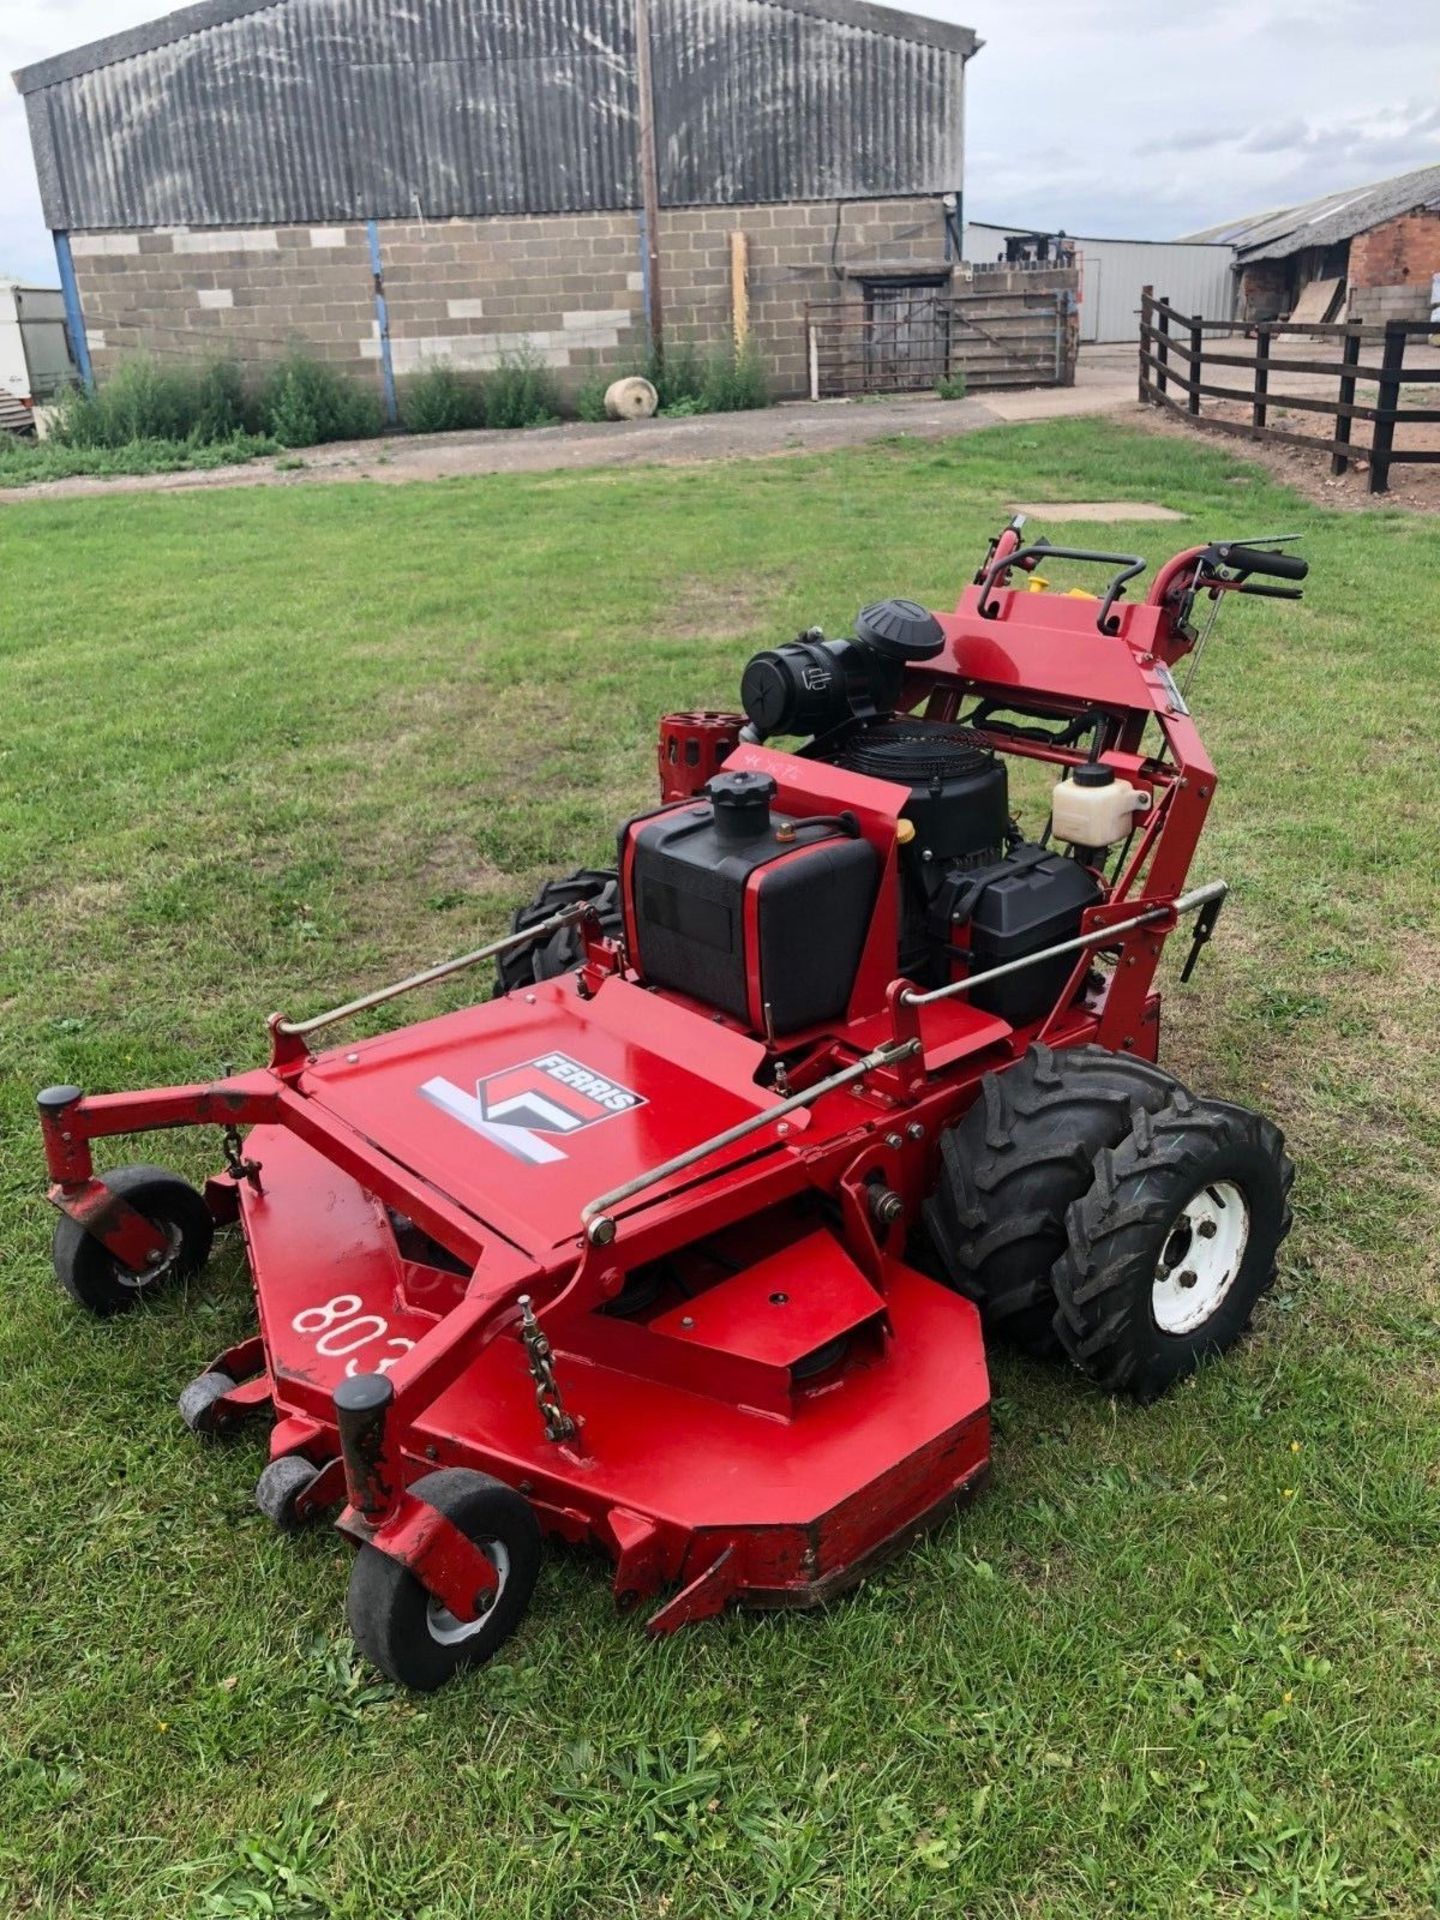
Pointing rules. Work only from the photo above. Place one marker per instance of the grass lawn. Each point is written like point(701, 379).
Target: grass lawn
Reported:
point(263, 748)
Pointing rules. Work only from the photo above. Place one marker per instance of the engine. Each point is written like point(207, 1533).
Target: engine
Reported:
point(764, 914)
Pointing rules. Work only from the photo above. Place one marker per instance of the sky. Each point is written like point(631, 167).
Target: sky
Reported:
point(1123, 118)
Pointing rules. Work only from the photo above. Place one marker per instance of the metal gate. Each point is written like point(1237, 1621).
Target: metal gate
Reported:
point(907, 338)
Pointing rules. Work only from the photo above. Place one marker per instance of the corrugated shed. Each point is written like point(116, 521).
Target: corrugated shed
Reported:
point(1196, 277)
point(1330, 219)
point(246, 113)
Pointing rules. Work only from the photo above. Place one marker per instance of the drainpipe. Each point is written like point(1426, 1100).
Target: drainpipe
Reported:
point(382, 316)
point(74, 312)
point(649, 163)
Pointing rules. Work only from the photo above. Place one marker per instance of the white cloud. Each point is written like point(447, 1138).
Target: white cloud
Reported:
point(1100, 116)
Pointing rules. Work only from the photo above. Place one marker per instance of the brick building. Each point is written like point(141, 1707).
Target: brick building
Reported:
point(1375, 250)
point(391, 187)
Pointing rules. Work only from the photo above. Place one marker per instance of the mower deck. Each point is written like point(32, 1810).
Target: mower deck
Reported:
point(791, 1505)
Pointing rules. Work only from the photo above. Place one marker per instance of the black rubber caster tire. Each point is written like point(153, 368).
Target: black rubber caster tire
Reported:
point(564, 951)
point(283, 1483)
point(399, 1626)
point(91, 1274)
point(199, 1402)
point(1143, 1297)
point(1014, 1164)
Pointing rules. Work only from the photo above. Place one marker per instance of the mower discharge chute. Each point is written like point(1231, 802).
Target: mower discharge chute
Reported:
point(682, 1245)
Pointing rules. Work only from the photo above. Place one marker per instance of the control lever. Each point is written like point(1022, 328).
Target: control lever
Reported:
point(1204, 933)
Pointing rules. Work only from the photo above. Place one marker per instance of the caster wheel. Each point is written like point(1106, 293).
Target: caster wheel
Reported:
point(199, 1403)
point(281, 1488)
point(403, 1629)
point(96, 1280)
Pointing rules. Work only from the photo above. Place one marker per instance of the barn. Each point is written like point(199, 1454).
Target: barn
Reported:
point(1368, 253)
point(458, 180)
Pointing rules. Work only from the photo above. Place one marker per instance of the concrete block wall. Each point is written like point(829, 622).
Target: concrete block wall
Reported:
point(568, 287)
point(244, 293)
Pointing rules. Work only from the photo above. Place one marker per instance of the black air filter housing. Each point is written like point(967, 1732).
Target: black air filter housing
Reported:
point(959, 794)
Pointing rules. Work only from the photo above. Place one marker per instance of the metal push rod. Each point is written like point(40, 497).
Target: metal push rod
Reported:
point(1101, 937)
point(432, 974)
point(600, 1228)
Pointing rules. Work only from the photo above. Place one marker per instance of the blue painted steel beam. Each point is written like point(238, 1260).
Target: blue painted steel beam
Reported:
point(382, 315)
point(74, 312)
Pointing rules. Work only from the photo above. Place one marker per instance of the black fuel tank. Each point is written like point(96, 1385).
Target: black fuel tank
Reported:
point(695, 912)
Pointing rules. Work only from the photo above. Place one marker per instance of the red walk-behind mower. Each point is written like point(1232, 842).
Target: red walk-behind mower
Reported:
point(682, 1244)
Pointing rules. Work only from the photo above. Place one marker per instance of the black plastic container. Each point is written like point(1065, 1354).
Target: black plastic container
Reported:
point(1032, 900)
point(691, 895)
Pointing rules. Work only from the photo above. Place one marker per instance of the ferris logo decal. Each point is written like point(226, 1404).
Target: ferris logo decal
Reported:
point(523, 1109)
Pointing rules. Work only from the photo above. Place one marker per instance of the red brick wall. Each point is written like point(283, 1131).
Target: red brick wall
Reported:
point(1403, 252)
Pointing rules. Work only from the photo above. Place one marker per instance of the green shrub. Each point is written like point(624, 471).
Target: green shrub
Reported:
point(951, 386)
point(140, 401)
point(224, 405)
point(521, 392)
point(677, 374)
point(299, 403)
point(731, 381)
point(442, 400)
point(590, 400)
point(303, 402)
point(734, 382)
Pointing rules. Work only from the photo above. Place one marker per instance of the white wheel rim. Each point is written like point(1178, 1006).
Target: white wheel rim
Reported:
point(444, 1628)
point(1201, 1260)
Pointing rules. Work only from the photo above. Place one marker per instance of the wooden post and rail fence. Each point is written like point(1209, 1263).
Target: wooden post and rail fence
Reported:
point(1178, 362)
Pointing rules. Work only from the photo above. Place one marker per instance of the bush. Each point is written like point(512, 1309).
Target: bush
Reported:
point(299, 403)
point(951, 386)
point(442, 400)
point(677, 375)
point(521, 392)
point(590, 400)
point(734, 382)
point(303, 403)
point(141, 401)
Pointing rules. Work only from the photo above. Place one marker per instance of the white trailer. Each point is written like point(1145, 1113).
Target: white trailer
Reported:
point(35, 359)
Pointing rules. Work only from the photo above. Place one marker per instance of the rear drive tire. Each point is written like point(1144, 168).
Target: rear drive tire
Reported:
point(403, 1629)
point(97, 1281)
point(563, 951)
point(1173, 1245)
point(1014, 1164)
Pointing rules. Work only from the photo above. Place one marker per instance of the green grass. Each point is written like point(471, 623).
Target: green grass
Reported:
point(266, 747)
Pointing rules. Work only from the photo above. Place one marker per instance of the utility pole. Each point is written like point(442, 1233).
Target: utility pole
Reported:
point(649, 179)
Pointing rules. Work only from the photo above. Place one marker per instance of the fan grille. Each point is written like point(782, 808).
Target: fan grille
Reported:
point(915, 752)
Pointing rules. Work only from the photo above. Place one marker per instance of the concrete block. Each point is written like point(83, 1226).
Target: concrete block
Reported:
point(328, 237)
point(215, 297)
point(234, 240)
point(94, 246)
point(468, 309)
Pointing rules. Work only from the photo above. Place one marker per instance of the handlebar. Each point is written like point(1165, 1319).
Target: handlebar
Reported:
point(1130, 565)
point(1279, 566)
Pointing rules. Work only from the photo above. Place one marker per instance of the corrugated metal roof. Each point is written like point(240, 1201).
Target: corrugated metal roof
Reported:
point(243, 111)
point(1330, 219)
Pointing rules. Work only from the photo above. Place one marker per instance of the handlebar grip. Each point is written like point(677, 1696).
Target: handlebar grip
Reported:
point(1280, 566)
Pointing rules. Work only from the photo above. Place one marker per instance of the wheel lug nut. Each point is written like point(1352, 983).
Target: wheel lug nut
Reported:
point(1189, 1277)
point(1207, 1229)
